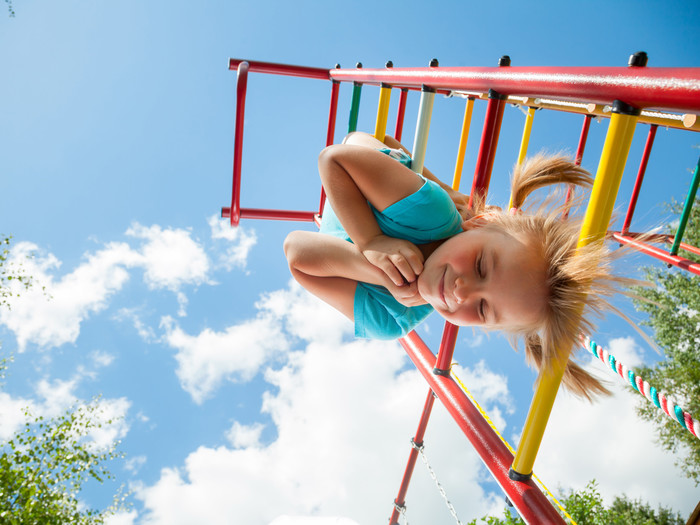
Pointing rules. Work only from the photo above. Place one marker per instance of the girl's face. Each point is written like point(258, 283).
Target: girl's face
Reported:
point(483, 276)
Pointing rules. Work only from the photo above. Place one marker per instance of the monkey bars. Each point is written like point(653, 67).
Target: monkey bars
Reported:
point(626, 95)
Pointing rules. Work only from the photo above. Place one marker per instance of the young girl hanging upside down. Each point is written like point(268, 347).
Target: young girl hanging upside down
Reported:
point(395, 245)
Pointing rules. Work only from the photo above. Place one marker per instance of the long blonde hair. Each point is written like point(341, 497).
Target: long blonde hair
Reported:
point(579, 282)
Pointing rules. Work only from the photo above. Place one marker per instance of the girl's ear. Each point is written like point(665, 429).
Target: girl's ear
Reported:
point(476, 222)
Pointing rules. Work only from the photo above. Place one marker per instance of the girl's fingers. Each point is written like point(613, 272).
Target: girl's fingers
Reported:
point(404, 267)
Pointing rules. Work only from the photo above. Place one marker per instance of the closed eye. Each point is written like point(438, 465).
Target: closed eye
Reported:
point(480, 266)
point(482, 308)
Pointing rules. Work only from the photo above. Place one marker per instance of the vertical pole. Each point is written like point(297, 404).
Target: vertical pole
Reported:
point(355, 104)
point(582, 139)
point(525, 141)
point(417, 441)
point(383, 109)
point(420, 142)
point(241, 87)
point(640, 178)
point(686, 210)
point(330, 133)
point(579, 157)
point(425, 112)
point(463, 137)
point(607, 183)
point(489, 140)
point(400, 114)
point(382, 112)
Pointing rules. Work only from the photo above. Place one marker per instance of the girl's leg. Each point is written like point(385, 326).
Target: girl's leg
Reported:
point(359, 138)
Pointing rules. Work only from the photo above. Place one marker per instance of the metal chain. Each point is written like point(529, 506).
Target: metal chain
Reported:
point(439, 486)
point(402, 511)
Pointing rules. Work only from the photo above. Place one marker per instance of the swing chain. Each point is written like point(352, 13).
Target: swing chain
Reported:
point(420, 449)
point(402, 511)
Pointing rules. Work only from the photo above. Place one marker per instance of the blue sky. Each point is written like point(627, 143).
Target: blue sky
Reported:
point(243, 399)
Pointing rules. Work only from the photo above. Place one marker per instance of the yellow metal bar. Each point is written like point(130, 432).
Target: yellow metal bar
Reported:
point(526, 135)
point(382, 112)
point(463, 143)
point(524, 142)
point(600, 207)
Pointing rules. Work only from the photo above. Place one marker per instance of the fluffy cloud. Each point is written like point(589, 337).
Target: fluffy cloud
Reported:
point(238, 353)
point(344, 413)
point(54, 398)
point(169, 257)
point(55, 320)
point(239, 241)
point(50, 314)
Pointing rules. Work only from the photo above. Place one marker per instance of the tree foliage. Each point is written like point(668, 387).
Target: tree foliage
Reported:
point(44, 466)
point(10, 273)
point(586, 507)
point(674, 315)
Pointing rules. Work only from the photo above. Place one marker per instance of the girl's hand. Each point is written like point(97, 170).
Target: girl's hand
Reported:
point(399, 259)
point(406, 294)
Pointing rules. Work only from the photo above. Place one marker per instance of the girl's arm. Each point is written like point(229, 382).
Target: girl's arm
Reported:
point(460, 199)
point(330, 268)
point(354, 174)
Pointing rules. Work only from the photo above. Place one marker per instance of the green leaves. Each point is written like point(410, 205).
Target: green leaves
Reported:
point(586, 508)
point(675, 319)
point(45, 464)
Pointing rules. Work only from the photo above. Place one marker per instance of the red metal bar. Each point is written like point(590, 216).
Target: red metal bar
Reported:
point(582, 139)
point(487, 148)
point(330, 134)
point(579, 157)
point(640, 178)
point(272, 215)
point(281, 69)
point(241, 86)
point(662, 255)
point(660, 237)
point(530, 502)
point(447, 347)
point(663, 88)
point(400, 114)
point(413, 456)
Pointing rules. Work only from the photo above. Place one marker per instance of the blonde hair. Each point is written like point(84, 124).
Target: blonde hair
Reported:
point(578, 281)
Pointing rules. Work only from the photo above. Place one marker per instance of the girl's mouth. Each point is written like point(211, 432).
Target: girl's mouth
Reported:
point(442, 289)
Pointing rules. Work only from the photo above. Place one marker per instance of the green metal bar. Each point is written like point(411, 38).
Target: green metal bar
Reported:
point(355, 106)
point(686, 210)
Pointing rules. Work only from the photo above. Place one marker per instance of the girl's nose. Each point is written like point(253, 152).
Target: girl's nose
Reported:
point(461, 291)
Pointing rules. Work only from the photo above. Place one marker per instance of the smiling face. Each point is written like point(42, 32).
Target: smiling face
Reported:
point(485, 277)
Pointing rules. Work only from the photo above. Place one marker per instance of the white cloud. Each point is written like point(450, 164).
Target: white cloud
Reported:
point(245, 436)
point(344, 413)
point(239, 242)
point(317, 520)
point(170, 259)
point(53, 398)
point(54, 321)
point(12, 414)
point(101, 359)
point(122, 518)
point(207, 359)
point(134, 464)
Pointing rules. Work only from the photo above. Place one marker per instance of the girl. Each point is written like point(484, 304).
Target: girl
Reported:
point(395, 245)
